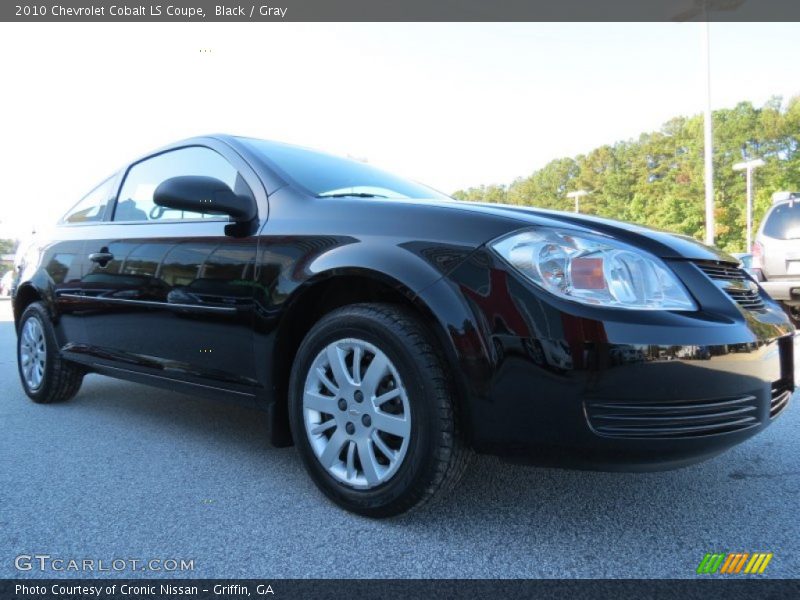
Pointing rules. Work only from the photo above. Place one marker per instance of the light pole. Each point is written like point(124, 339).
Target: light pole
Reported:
point(708, 145)
point(704, 8)
point(577, 195)
point(748, 167)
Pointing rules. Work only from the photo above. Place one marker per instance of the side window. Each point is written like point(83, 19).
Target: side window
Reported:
point(93, 205)
point(135, 201)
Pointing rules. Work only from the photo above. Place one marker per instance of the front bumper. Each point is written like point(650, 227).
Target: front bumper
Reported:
point(556, 383)
point(638, 407)
point(784, 291)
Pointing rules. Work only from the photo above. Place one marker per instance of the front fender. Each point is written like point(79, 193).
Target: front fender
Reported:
point(463, 340)
point(406, 266)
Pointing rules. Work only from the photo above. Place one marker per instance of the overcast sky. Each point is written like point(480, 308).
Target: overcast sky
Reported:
point(451, 105)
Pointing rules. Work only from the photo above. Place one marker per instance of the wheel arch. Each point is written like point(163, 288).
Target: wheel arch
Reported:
point(326, 292)
point(25, 295)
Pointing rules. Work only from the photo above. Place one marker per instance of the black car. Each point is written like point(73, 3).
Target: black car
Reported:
point(389, 331)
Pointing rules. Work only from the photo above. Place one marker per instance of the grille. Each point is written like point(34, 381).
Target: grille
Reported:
point(781, 392)
point(735, 283)
point(679, 419)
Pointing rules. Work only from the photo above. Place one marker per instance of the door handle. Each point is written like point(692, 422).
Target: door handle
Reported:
point(102, 258)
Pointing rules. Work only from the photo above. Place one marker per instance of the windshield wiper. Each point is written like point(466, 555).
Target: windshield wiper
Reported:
point(351, 194)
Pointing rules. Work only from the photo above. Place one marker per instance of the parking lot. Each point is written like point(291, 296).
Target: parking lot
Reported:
point(126, 471)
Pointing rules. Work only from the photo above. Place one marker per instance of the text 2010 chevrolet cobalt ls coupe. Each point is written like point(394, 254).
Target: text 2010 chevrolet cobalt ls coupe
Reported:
point(388, 330)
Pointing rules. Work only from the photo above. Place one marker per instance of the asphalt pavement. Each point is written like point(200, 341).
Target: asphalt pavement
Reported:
point(125, 471)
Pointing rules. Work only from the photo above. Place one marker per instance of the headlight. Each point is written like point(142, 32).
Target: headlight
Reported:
point(594, 270)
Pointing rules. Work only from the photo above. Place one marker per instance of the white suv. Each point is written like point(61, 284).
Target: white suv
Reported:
point(776, 252)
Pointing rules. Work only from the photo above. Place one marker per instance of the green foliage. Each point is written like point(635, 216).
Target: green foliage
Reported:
point(657, 180)
point(7, 246)
point(484, 193)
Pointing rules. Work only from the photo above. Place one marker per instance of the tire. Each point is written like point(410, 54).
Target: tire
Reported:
point(793, 312)
point(59, 380)
point(427, 454)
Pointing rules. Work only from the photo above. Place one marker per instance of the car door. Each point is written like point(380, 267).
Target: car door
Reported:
point(63, 260)
point(167, 292)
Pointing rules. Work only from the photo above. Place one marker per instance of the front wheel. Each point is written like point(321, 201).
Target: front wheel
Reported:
point(372, 411)
point(46, 377)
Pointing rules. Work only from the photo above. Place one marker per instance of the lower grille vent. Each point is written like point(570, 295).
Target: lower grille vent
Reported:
point(672, 419)
point(781, 392)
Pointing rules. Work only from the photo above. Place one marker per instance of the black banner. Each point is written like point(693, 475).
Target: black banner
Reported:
point(440, 589)
point(401, 10)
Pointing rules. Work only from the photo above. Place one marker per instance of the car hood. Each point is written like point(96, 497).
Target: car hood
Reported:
point(661, 243)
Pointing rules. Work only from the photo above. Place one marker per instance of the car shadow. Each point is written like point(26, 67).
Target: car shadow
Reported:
point(491, 490)
point(177, 414)
point(689, 501)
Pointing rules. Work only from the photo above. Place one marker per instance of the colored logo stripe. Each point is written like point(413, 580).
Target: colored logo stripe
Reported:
point(734, 562)
point(758, 563)
point(710, 563)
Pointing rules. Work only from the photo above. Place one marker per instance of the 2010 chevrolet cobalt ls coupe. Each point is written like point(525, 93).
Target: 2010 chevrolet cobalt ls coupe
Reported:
point(388, 330)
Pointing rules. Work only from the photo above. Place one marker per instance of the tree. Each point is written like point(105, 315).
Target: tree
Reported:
point(658, 180)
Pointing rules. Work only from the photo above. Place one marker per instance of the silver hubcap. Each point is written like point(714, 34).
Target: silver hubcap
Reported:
point(356, 413)
point(32, 353)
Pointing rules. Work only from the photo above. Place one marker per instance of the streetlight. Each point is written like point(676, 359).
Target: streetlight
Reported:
point(577, 195)
point(708, 136)
point(748, 167)
point(703, 8)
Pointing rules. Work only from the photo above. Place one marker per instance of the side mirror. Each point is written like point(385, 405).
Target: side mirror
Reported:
point(205, 195)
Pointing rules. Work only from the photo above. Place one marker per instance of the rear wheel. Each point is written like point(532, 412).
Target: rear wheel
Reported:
point(372, 413)
point(46, 377)
point(793, 312)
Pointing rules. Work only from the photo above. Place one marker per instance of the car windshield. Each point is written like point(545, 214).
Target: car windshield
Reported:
point(783, 222)
point(325, 175)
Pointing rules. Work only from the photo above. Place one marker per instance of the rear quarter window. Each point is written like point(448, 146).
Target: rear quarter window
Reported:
point(92, 207)
point(783, 221)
